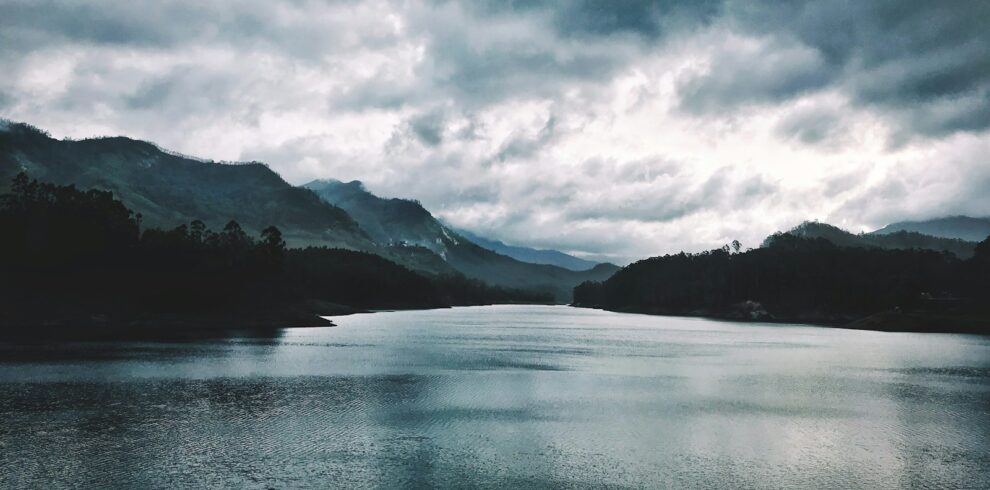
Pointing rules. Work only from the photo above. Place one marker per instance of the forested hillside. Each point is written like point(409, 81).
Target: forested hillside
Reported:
point(80, 260)
point(800, 279)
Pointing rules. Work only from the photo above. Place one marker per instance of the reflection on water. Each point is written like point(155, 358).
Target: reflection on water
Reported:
point(502, 396)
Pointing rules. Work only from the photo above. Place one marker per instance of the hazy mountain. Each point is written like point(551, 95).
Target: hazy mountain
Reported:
point(169, 189)
point(404, 223)
point(386, 221)
point(531, 255)
point(808, 280)
point(960, 227)
point(891, 241)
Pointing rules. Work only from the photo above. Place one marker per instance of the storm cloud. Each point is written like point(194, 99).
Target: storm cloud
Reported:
point(610, 129)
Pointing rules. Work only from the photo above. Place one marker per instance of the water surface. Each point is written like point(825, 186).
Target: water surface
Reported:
point(503, 396)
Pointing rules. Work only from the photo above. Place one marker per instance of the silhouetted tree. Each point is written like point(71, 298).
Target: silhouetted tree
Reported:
point(792, 277)
point(982, 251)
point(68, 256)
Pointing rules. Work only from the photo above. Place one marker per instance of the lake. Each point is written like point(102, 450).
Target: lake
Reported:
point(503, 396)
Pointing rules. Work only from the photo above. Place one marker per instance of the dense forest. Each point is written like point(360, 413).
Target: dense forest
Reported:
point(890, 240)
point(170, 189)
point(75, 259)
point(793, 278)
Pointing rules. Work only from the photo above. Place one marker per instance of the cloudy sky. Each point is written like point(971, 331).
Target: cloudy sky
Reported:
point(608, 128)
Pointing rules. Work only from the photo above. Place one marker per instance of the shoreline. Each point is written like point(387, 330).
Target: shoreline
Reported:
point(104, 328)
point(269, 323)
point(886, 321)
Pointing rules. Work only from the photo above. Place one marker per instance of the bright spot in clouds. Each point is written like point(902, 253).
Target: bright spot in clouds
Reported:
point(613, 130)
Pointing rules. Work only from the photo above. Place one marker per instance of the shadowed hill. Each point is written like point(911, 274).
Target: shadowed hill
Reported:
point(77, 263)
point(958, 227)
point(798, 279)
point(386, 221)
point(169, 189)
point(406, 222)
point(900, 240)
point(531, 255)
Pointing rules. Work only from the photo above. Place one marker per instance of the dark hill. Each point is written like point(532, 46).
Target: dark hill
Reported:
point(169, 189)
point(531, 255)
point(900, 240)
point(402, 222)
point(958, 227)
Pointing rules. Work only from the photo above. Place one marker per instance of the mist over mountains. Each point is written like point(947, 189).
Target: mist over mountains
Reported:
point(169, 190)
point(889, 240)
point(404, 223)
point(958, 227)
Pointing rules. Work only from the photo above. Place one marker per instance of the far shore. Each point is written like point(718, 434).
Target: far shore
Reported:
point(199, 326)
point(887, 321)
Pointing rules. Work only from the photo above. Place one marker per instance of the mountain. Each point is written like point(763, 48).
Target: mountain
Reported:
point(168, 189)
point(531, 255)
point(77, 262)
point(896, 240)
point(808, 280)
point(958, 227)
point(405, 223)
point(386, 221)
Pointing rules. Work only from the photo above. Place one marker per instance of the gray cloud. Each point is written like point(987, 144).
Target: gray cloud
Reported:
point(428, 127)
point(522, 146)
point(896, 55)
point(595, 126)
point(812, 125)
point(649, 19)
point(771, 72)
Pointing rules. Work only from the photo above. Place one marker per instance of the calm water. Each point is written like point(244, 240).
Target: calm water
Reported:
point(506, 396)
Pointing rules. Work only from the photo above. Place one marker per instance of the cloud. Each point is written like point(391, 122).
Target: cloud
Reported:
point(608, 129)
point(744, 71)
point(912, 59)
point(812, 125)
point(428, 127)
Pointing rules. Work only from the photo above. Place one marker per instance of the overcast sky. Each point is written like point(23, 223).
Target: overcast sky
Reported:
point(607, 128)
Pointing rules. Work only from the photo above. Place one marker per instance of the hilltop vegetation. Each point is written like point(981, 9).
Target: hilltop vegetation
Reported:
point(959, 227)
point(405, 225)
point(168, 190)
point(799, 279)
point(894, 240)
point(76, 260)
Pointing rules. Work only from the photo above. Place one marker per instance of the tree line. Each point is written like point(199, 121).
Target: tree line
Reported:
point(71, 257)
point(791, 278)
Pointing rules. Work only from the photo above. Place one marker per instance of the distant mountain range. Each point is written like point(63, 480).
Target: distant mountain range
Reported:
point(405, 223)
point(168, 190)
point(531, 255)
point(815, 273)
point(890, 240)
point(960, 227)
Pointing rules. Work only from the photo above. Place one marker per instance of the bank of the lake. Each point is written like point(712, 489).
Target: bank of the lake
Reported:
point(971, 320)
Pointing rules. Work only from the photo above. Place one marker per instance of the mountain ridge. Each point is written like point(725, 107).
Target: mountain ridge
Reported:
point(899, 240)
point(531, 255)
point(405, 222)
point(169, 189)
point(973, 229)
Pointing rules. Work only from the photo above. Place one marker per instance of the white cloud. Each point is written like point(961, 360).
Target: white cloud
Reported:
point(645, 132)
